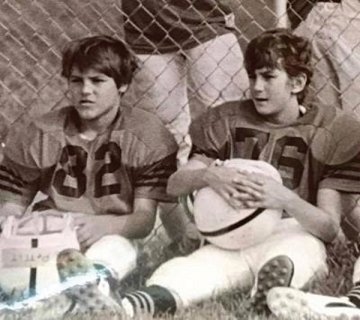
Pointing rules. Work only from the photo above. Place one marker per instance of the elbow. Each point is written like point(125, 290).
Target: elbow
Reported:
point(331, 232)
point(145, 228)
point(143, 233)
point(172, 188)
point(329, 237)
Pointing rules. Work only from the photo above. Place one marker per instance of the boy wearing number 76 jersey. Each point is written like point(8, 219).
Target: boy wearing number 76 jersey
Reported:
point(314, 148)
point(106, 164)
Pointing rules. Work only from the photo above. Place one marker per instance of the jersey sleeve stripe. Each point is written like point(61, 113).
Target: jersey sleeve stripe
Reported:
point(343, 176)
point(10, 182)
point(9, 175)
point(208, 153)
point(157, 173)
point(10, 189)
point(346, 176)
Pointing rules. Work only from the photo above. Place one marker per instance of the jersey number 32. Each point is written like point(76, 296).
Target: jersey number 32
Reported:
point(73, 163)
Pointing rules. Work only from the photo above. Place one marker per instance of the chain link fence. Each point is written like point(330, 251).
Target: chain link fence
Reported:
point(34, 32)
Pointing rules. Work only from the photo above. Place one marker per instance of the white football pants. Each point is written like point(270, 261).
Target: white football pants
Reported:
point(333, 29)
point(211, 270)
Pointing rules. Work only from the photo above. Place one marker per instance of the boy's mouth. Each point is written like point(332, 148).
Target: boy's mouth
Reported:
point(85, 101)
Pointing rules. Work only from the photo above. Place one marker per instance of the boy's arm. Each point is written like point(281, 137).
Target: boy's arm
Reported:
point(188, 178)
point(10, 209)
point(351, 216)
point(136, 225)
point(322, 220)
point(141, 222)
point(196, 175)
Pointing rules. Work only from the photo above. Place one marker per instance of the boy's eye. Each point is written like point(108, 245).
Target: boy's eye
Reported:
point(269, 76)
point(98, 80)
point(75, 80)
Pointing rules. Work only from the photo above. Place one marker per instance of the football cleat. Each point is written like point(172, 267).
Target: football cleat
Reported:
point(77, 297)
point(290, 303)
point(53, 306)
point(277, 272)
point(81, 278)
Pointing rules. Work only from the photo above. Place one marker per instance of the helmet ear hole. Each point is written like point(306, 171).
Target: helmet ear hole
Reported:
point(232, 229)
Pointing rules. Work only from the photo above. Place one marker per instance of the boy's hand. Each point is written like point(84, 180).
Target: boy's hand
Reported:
point(257, 190)
point(91, 228)
point(232, 184)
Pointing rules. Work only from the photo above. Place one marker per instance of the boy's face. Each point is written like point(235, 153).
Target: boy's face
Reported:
point(93, 94)
point(271, 91)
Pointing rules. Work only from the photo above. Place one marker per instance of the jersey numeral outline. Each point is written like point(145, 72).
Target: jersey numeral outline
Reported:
point(71, 154)
point(73, 161)
point(289, 152)
point(114, 152)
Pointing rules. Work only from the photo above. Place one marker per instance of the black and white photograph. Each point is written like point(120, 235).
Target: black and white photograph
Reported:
point(180, 159)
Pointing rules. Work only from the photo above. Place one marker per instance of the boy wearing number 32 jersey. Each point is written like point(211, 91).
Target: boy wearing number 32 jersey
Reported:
point(106, 164)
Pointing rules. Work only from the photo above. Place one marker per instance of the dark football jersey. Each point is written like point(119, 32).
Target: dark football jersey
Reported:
point(320, 150)
point(133, 158)
point(163, 26)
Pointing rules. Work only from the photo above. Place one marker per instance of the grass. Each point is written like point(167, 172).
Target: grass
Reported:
point(236, 305)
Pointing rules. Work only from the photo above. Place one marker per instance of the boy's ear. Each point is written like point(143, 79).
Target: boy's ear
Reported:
point(122, 89)
point(298, 83)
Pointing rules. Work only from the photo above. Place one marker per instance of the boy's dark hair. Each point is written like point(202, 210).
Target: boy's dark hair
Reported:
point(102, 53)
point(279, 48)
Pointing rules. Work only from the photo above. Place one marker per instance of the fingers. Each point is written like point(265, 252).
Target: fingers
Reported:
point(244, 193)
point(81, 234)
point(85, 237)
point(236, 199)
point(245, 178)
point(81, 219)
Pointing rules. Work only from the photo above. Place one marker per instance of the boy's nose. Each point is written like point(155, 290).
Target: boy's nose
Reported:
point(258, 84)
point(86, 87)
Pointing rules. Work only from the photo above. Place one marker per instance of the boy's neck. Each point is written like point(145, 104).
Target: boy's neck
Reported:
point(90, 129)
point(290, 115)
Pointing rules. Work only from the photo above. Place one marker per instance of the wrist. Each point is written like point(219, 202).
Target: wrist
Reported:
point(119, 223)
point(291, 201)
point(207, 176)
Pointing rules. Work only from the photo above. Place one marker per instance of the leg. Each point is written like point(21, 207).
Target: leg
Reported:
point(159, 86)
point(216, 73)
point(333, 30)
point(277, 272)
point(172, 285)
point(284, 302)
point(117, 254)
point(276, 263)
point(77, 297)
point(181, 230)
point(324, 85)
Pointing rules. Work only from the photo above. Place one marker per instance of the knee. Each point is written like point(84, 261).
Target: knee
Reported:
point(115, 252)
